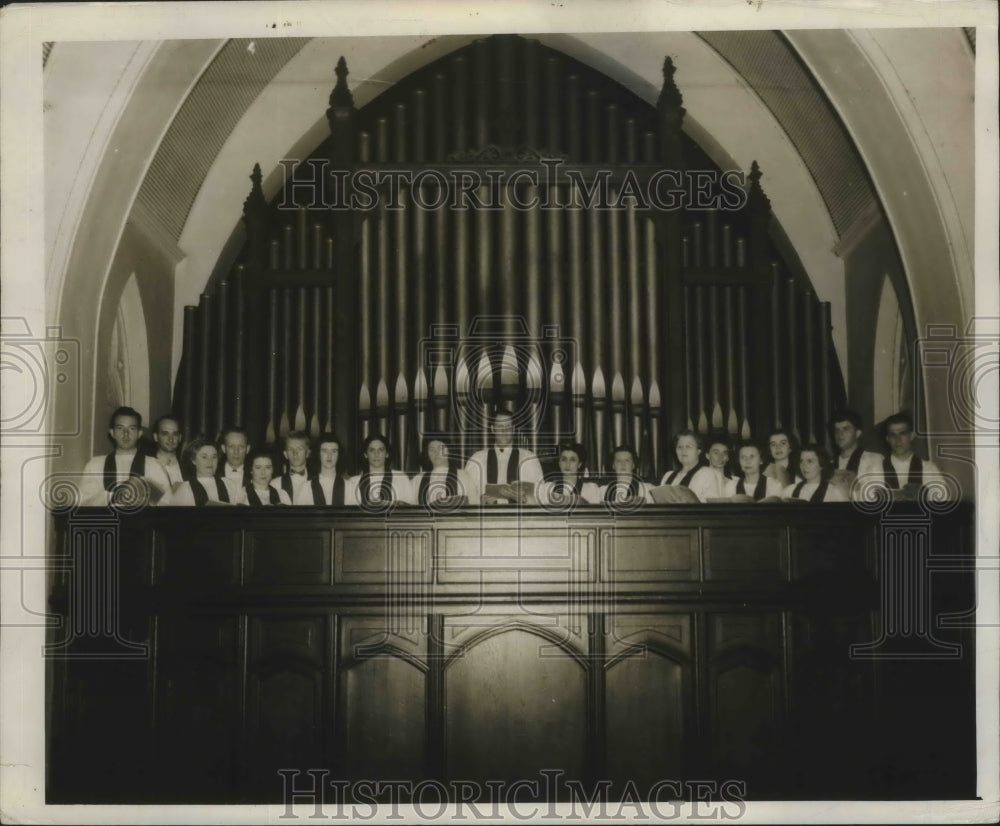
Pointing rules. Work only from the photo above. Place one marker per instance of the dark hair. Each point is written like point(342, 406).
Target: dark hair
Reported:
point(846, 415)
point(301, 435)
point(624, 449)
point(328, 438)
point(261, 453)
point(196, 444)
point(167, 417)
point(578, 449)
point(125, 411)
point(897, 418)
point(748, 443)
point(366, 443)
point(233, 429)
point(688, 432)
point(825, 462)
point(718, 437)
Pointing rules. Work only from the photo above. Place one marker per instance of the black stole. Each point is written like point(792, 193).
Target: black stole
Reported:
point(915, 476)
point(138, 468)
point(492, 466)
point(686, 481)
point(450, 483)
point(385, 488)
point(855, 461)
point(567, 489)
point(287, 486)
point(337, 495)
point(818, 495)
point(254, 499)
point(758, 491)
point(201, 495)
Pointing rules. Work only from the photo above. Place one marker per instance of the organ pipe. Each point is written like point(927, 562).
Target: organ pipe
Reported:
point(810, 367)
point(793, 362)
point(222, 362)
point(205, 367)
point(190, 351)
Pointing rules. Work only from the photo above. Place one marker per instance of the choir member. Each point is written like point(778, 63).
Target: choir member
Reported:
point(327, 487)
point(296, 455)
point(783, 462)
point(816, 469)
point(853, 461)
point(515, 470)
point(750, 485)
point(234, 445)
point(626, 487)
point(443, 484)
point(569, 484)
point(693, 473)
point(203, 487)
point(125, 473)
point(168, 436)
point(378, 484)
point(903, 471)
point(718, 458)
point(259, 491)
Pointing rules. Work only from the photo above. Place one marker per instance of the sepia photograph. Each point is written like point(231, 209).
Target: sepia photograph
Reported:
point(531, 411)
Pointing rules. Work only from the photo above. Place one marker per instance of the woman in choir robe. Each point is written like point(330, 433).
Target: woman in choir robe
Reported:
point(718, 456)
point(626, 488)
point(693, 473)
point(327, 487)
point(203, 487)
point(443, 485)
point(259, 490)
point(569, 485)
point(378, 484)
point(816, 468)
point(784, 460)
point(751, 485)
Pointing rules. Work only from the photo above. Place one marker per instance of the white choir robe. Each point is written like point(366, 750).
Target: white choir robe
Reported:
point(185, 496)
point(530, 468)
point(304, 493)
point(772, 487)
point(833, 492)
point(92, 490)
point(401, 488)
point(703, 484)
point(173, 471)
point(548, 492)
point(622, 491)
point(436, 487)
point(265, 497)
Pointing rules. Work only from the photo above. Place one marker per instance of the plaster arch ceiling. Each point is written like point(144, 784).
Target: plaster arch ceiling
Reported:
point(747, 97)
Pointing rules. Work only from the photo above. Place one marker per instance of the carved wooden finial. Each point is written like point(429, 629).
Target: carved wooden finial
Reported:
point(756, 197)
point(255, 201)
point(670, 103)
point(341, 97)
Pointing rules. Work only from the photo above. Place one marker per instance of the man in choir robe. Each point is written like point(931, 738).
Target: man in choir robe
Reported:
point(444, 484)
point(234, 446)
point(903, 471)
point(853, 461)
point(326, 487)
point(503, 464)
point(168, 435)
point(121, 473)
point(296, 454)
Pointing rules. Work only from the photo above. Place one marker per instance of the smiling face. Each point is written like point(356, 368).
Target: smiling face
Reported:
point(750, 461)
point(168, 436)
point(376, 453)
point(623, 463)
point(235, 449)
point(262, 471)
point(206, 460)
point(124, 432)
point(569, 461)
point(900, 439)
point(296, 452)
point(780, 447)
point(329, 453)
point(846, 436)
point(718, 455)
point(809, 466)
point(688, 451)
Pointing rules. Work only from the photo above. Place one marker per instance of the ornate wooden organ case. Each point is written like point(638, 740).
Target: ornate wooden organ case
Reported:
point(508, 227)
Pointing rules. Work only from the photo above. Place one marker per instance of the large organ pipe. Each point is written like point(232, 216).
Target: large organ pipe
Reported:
point(463, 268)
point(300, 341)
point(534, 382)
point(403, 308)
point(689, 355)
point(286, 361)
point(712, 237)
point(809, 432)
point(462, 422)
point(727, 246)
point(631, 141)
point(274, 254)
point(317, 246)
point(381, 297)
point(190, 337)
point(330, 423)
point(634, 252)
point(222, 363)
point(316, 358)
point(481, 104)
point(553, 113)
point(532, 260)
point(439, 118)
point(777, 385)
point(579, 389)
point(381, 412)
point(399, 417)
point(273, 345)
point(699, 349)
point(741, 252)
point(618, 409)
point(509, 273)
point(442, 401)
point(558, 385)
point(715, 362)
point(744, 348)
point(554, 265)
point(655, 413)
point(595, 281)
point(205, 371)
point(577, 306)
point(592, 127)
point(792, 342)
point(460, 85)
point(364, 147)
point(303, 248)
point(599, 406)
point(288, 247)
point(732, 354)
point(439, 220)
point(382, 140)
point(400, 133)
point(652, 293)
point(698, 242)
point(824, 365)
point(420, 406)
point(616, 290)
point(239, 363)
point(420, 281)
point(613, 149)
point(636, 417)
point(365, 410)
point(529, 95)
point(574, 122)
point(419, 126)
point(650, 147)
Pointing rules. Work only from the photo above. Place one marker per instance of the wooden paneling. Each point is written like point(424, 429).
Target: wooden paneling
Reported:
point(288, 557)
point(368, 555)
point(636, 555)
point(732, 554)
point(198, 558)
